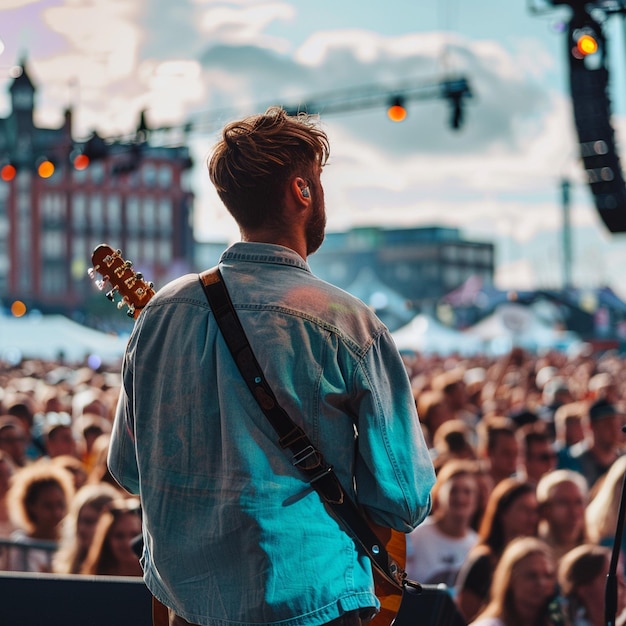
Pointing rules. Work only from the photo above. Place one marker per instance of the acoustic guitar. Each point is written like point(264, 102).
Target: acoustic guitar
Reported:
point(129, 289)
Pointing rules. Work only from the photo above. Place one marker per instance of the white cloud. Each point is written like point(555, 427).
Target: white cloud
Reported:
point(246, 25)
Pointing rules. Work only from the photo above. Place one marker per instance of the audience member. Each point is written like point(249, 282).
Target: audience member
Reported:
point(74, 466)
point(38, 499)
point(433, 412)
point(437, 548)
point(111, 552)
point(452, 386)
point(13, 439)
point(602, 511)
point(537, 453)
point(572, 426)
point(498, 444)
point(511, 512)
point(582, 578)
point(58, 435)
point(523, 590)
point(562, 496)
point(7, 469)
point(452, 441)
point(593, 456)
point(79, 526)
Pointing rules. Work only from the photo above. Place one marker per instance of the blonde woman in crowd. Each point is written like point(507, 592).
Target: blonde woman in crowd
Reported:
point(111, 552)
point(79, 526)
point(562, 496)
point(523, 591)
point(601, 513)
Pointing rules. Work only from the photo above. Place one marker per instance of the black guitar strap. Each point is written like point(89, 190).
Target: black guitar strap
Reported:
point(305, 456)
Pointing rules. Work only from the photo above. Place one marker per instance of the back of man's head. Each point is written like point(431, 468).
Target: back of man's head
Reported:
point(252, 163)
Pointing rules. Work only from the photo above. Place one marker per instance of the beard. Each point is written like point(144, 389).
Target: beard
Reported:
point(316, 227)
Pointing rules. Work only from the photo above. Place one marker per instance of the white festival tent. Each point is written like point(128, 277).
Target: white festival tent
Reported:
point(425, 334)
point(514, 324)
point(48, 337)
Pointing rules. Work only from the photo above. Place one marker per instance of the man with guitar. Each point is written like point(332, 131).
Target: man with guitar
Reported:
point(234, 534)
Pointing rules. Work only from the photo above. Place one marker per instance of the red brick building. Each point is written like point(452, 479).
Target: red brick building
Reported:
point(132, 195)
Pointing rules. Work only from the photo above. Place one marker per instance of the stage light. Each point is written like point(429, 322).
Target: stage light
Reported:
point(18, 308)
point(81, 162)
point(45, 169)
point(8, 172)
point(397, 111)
point(587, 44)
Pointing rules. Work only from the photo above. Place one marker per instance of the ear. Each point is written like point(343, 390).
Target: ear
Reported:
point(300, 191)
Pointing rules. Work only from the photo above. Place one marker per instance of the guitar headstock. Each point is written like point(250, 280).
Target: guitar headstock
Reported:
point(133, 290)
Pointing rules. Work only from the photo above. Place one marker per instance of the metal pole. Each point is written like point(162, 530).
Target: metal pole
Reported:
point(567, 234)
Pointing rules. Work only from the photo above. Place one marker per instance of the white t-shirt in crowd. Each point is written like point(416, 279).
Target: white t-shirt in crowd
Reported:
point(432, 557)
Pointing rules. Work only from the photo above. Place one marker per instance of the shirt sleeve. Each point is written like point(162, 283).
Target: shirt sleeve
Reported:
point(393, 471)
point(122, 460)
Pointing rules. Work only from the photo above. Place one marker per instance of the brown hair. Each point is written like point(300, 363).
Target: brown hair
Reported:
point(581, 565)
point(504, 494)
point(501, 603)
point(255, 158)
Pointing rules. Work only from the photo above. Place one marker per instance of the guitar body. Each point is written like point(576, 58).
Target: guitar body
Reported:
point(389, 595)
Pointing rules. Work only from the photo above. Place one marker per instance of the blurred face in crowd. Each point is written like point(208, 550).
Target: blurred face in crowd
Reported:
point(48, 510)
point(125, 528)
point(540, 459)
point(61, 442)
point(86, 524)
point(565, 509)
point(504, 455)
point(574, 430)
point(13, 442)
point(521, 517)
point(533, 582)
point(458, 497)
point(607, 432)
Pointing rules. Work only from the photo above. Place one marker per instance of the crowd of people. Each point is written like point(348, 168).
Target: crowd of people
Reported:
point(528, 450)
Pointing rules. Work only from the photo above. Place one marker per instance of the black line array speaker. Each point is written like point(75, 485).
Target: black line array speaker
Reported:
point(589, 83)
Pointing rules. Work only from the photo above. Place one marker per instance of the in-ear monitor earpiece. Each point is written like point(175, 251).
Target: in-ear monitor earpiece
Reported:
point(305, 192)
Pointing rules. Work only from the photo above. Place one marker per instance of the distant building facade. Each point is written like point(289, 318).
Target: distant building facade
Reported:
point(420, 264)
point(131, 195)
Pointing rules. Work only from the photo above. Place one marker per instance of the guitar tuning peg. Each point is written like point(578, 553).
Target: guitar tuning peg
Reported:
point(139, 276)
point(120, 305)
point(110, 295)
point(100, 284)
point(131, 311)
point(151, 285)
point(91, 272)
point(128, 263)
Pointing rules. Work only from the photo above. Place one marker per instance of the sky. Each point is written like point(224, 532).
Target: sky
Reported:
point(202, 63)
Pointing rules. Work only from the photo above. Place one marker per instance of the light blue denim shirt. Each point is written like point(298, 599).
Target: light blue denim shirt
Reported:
point(233, 534)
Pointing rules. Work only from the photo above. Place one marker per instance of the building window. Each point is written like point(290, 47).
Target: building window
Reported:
point(165, 176)
point(96, 171)
point(53, 280)
point(114, 213)
point(53, 244)
point(149, 174)
point(164, 251)
point(96, 210)
point(164, 215)
point(79, 210)
point(149, 214)
point(133, 215)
